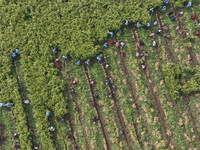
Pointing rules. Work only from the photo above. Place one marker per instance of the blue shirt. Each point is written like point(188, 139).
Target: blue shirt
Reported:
point(64, 57)
point(13, 55)
point(107, 82)
point(189, 4)
point(166, 1)
point(126, 23)
point(78, 62)
point(54, 50)
point(87, 62)
point(111, 34)
point(148, 24)
point(48, 113)
point(155, 23)
point(164, 8)
point(151, 10)
point(120, 31)
point(9, 104)
point(17, 51)
point(105, 45)
point(138, 24)
point(99, 58)
point(172, 18)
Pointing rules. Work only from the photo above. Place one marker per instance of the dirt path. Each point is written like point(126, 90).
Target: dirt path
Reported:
point(154, 94)
point(105, 135)
point(73, 98)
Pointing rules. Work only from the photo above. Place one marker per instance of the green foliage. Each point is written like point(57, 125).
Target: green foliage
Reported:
point(185, 80)
point(77, 27)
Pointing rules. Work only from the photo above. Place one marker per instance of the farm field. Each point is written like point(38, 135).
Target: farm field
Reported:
point(100, 97)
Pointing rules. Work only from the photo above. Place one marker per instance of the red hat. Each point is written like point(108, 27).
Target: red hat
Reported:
point(59, 66)
point(58, 60)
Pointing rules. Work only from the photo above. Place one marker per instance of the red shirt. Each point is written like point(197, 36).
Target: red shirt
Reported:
point(111, 42)
point(197, 33)
point(93, 103)
point(193, 17)
point(58, 60)
point(59, 66)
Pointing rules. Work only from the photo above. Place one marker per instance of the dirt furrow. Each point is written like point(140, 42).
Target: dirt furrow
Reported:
point(154, 94)
point(105, 135)
point(74, 98)
point(122, 123)
point(167, 45)
point(23, 98)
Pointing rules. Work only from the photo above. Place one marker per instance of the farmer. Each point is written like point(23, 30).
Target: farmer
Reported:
point(58, 60)
point(74, 82)
point(36, 147)
point(48, 113)
point(193, 17)
point(87, 62)
point(15, 136)
point(143, 67)
point(92, 83)
point(123, 53)
point(180, 13)
point(94, 119)
point(194, 148)
point(111, 42)
point(120, 132)
point(74, 146)
point(114, 87)
point(58, 66)
point(127, 23)
point(187, 33)
point(148, 25)
point(78, 62)
point(93, 103)
point(95, 95)
point(64, 58)
point(145, 100)
point(138, 24)
point(107, 66)
point(120, 31)
point(107, 82)
point(141, 43)
point(154, 43)
point(105, 45)
point(151, 10)
point(99, 58)
point(172, 18)
point(155, 23)
point(177, 28)
point(197, 33)
point(158, 31)
point(16, 51)
point(166, 1)
point(73, 91)
point(122, 44)
point(55, 50)
point(110, 34)
point(137, 54)
point(9, 104)
point(117, 44)
point(26, 101)
point(189, 5)
point(146, 54)
point(13, 55)
point(165, 28)
point(152, 35)
point(52, 129)
point(168, 36)
point(164, 8)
